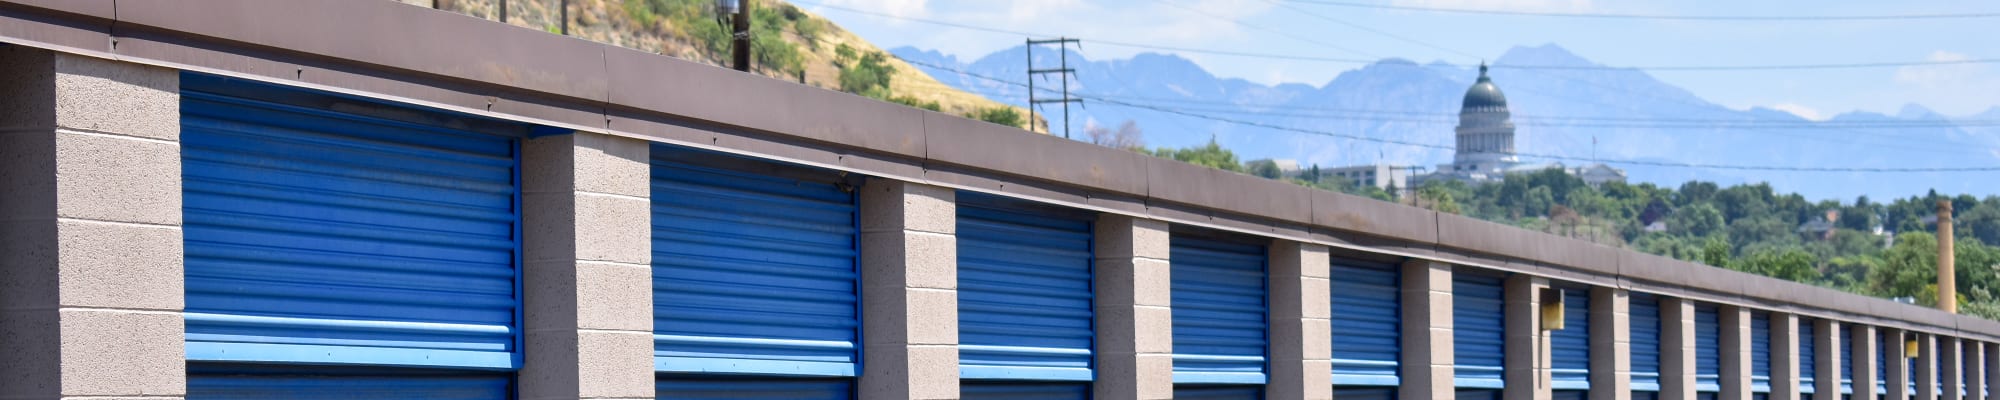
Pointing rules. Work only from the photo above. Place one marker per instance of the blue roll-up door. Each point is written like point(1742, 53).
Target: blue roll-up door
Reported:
point(1364, 393)
point(1570, 347)
point(1846, 357)
point(324, 383)
point(1760, 352)
point(1367, 323)
point(1808, 355)
point(1707, 348)
point(1478, 333)
point(1477, 394)
point(754, 267)
point(1882, 361)
point(993, 390)
point(1219, 310)
point(1569, 395)
point(328, 230)
point(710, 387)
point(1024, 298)
point(1645, 321)
point(1645, 395)
point(1205, 392)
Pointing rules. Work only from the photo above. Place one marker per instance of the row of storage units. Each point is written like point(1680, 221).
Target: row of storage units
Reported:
point(346, 252)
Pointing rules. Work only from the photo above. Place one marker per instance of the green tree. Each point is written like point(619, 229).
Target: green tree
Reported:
point(868, 76)
point(1211, 155)
point(999, 115)
point(1789, 264)
point(1264, 168)
point(1699, 219)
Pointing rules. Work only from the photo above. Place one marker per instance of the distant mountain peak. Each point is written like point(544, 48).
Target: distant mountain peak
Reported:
point(1545, 54)
point(1917, 111)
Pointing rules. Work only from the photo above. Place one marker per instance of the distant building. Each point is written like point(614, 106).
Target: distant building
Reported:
point(1485, 144)
point(1377, 175)
point(1821, 228)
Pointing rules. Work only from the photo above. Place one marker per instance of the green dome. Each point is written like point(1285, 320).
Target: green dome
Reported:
point(1483, 93)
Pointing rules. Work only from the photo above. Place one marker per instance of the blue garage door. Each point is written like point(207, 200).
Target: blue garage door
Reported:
point(1707, 348)
point(1645, 320)
point(686, 387)
point(1570, 347)
point(374, 235)
point(1204, 392)
point(1478, 329)
point(1882, 361)
point(1364, 393)
point(1367, 323)
point(1219, 302)
point(1569, 395)
point(341, 383)
point(754, 268)
point(1760, 352)
point(1808, 355)
point(1024, 298)
point(1477, 394)
point(1847, 344)
point(991, 390)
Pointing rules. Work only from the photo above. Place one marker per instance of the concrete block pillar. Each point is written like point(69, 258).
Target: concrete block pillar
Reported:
point(1785, 356)
point(1896, 377)
point(588, 274)
point(1527, 349)
point(1610, 344)
point(1735, 343)
point(1950, 368)
point(1927, 361)
point(1861, 341)
point(1135, 326)
point(1974, 362)
point(1427, 347)
point(91, 268)
point(1826, 360)
point(909, 291)
point(1301, 315)
point(1677, 349)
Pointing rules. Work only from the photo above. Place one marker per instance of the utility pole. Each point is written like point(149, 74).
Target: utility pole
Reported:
point(503, 11)
point(742, 35)
point(1947, 272)
point(1066, 73)
point(564, 6)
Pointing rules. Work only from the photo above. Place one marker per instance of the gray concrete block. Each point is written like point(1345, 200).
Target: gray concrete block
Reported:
point(615, 364)
point(613, 165)
point(549, 366)
point(27, 173)
point(909, 260)
point(1155, 333)
point(109, 178)
point(897, 316)
point(1121, 236)
point(100, 95)
point(614, 297)
point(614, 229)
point(1862, 338)
point(549, 164)
point(910, 372)
point(550, 297)
point(30, 277)
point(1610, 370)
point(1318, 303)
point(121, 266)
point(891, 205)
point(548, 226)
point(117, 353)
point(31, 366)
point(31, 89)
point(1784, 337)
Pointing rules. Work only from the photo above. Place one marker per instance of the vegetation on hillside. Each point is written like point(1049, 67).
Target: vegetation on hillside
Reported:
point(1749, 227)
point(786, 42)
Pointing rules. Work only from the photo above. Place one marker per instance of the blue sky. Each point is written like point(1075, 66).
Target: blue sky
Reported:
point(1954, 90)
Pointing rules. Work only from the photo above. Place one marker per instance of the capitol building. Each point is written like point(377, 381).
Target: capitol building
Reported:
point(1484, 150)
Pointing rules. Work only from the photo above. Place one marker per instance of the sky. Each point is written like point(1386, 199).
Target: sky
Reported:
point(1297, 27)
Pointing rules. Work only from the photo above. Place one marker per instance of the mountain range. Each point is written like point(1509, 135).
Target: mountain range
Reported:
point(1401, 112)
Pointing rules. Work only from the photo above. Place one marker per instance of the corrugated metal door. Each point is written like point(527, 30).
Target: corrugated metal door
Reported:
point(990, 390)
point(1645, 320)
point(1024, 296)
point(1570, 347)
point(1707, 348)
point(1569, 395)
point(1199, 392)
point(1364, 393)
point(1367, 323)
point(1478, 333)
point(686, 387)
point(1760, 352)
point(1808, 355)
point(1219, 310)
point(1477, 394)
point(321, 383)
point(373, 235)
point(1846, 358)
point(754, 268)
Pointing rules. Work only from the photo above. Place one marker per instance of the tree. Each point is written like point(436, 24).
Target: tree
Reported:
point(1127, 136)
point(868, 76)
point(1790, 264)
point(999, 115)
point(1264, 168)
point(1211, 155)
point(1437, 198)
point(1698, 219)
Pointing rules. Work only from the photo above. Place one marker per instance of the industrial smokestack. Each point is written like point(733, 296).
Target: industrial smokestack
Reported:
point(1947, 271)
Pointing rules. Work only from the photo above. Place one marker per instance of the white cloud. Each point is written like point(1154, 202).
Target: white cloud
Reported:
point(1801, 111)
point(1502, 5)
point(1951, 89)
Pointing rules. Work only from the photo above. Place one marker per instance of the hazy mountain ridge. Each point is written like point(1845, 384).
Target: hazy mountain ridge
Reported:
point(1629, 114)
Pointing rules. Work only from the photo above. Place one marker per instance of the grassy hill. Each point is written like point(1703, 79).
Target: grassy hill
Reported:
point(787, 43)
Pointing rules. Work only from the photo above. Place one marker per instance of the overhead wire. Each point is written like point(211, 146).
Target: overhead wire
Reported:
point(1449, 147)
point(1676, 17)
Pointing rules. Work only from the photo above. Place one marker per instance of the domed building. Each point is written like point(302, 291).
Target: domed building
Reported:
point(1485, 130)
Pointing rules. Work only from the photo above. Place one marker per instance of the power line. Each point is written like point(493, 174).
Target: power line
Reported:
point(1794, 18)
point(1448, 147)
